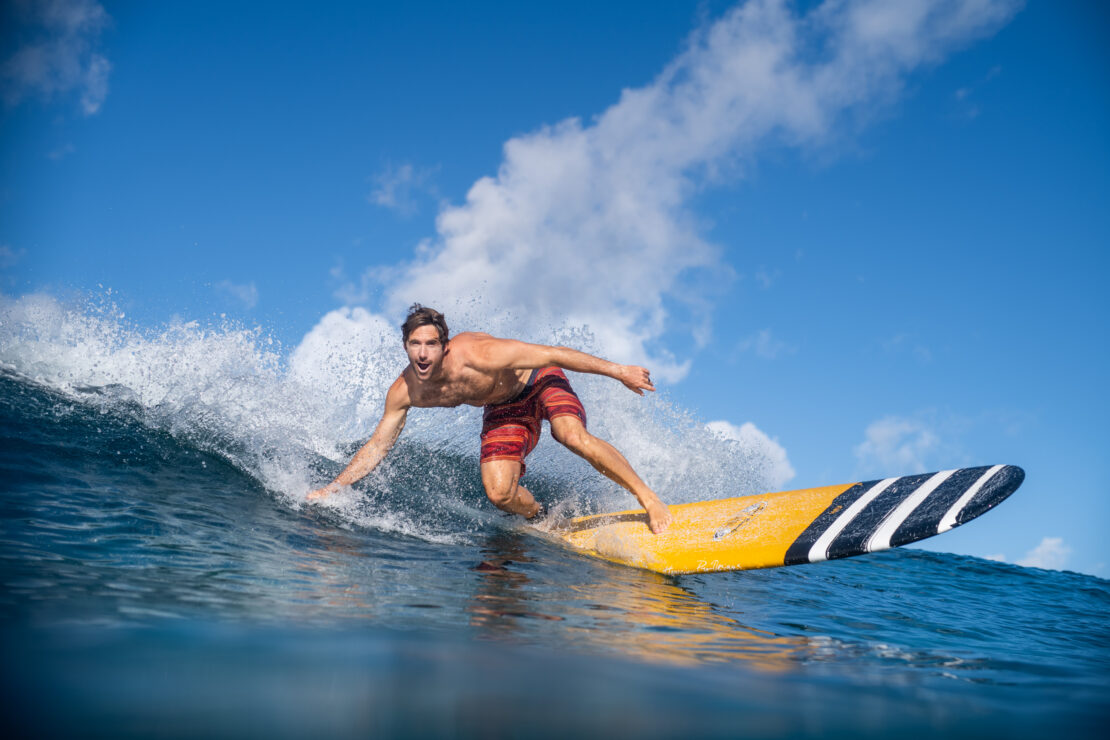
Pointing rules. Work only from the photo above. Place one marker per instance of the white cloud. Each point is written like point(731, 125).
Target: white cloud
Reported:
point(903, 342)
point(589, 224)
point(776, 465)
point(397, 188)
point(358, 292)
point(964, 97)
point(247, 294)
point(337, 337)
point(1051, 554)
point(766, 278)
point(61, 152)
point(349, 358)
point(10, 257)
point(764, 345)
point(896, 446)
point(94, 86)
point(62, 57)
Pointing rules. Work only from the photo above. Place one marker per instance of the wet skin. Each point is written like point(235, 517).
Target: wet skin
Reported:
point(477, 369)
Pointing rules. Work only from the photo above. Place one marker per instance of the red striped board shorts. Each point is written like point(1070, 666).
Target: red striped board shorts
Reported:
point(511, 430)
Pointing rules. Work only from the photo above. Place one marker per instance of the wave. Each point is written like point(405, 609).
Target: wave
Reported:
point(290, 419)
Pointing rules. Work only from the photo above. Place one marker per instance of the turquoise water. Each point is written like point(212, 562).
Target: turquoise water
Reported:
point(160, 577)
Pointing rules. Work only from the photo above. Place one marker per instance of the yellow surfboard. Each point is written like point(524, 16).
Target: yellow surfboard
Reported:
point(794, 527)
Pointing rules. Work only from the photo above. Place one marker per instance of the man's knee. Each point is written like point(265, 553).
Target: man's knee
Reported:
point(500, 486)
point(500, 496)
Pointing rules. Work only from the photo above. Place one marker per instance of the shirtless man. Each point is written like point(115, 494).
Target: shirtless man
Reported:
point(519, 385)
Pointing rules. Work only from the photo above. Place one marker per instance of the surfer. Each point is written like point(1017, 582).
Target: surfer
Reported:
point(519, 384)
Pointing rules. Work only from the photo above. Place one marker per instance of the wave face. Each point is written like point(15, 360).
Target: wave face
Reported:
point(159, 570)
point(290, 423)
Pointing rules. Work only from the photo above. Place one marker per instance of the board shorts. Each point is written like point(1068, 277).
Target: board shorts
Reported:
point(511, 430)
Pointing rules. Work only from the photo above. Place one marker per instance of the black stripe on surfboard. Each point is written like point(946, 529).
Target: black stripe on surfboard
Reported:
point(994, 491)
point(853, 539)
point(798, 552)
point(922, 521)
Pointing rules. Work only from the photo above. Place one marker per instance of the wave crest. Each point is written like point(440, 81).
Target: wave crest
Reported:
point(291, 419)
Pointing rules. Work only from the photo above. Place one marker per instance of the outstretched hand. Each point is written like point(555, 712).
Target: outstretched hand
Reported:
point(637, 379)
point(319, 493)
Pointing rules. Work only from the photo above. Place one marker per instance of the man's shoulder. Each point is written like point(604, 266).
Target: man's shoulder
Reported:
point(399, 391)
point(471, 337)
point(468, 343)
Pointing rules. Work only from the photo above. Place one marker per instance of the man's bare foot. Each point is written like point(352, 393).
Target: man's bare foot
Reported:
point(659, 516)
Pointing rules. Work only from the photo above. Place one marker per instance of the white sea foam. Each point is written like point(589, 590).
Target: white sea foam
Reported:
point(278, 414)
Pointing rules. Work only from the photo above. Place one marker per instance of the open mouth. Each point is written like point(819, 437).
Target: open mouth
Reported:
point(423, 366)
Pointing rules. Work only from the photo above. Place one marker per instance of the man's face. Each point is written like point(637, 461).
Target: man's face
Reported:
point(425, 351)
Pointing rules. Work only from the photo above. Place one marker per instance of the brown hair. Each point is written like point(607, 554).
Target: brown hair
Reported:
point(423, 316)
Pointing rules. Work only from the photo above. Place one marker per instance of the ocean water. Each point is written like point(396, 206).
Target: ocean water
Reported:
point(161, 575)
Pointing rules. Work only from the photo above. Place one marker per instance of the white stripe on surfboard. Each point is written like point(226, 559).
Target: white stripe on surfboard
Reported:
point(820, 549)
point(949, 519)
point(880, 540)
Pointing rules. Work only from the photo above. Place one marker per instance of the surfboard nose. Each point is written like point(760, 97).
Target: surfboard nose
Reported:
point(995, 491)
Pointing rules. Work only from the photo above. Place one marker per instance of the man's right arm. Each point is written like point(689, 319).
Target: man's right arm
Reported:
point(490, 353)
point(397, 405)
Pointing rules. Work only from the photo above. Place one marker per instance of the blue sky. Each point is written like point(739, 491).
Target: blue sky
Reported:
point(886, 251)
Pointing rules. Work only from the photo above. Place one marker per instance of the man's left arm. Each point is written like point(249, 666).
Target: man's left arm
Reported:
point(495, 354)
